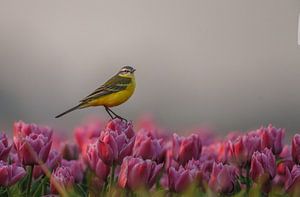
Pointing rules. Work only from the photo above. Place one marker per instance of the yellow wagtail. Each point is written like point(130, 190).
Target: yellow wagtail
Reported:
point(115, 91)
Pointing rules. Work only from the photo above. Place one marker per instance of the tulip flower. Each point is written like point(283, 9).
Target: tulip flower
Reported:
point(63, 176)
point(296, 148)
point(70, 151)
point(4, 147)
point(200, 169)
point(32, 142)
point(10, 174)
point(138, 173)
point(186, 148)
point(147, 148)
point(114, 145)
point(179, 180)
point(272, 138)
point(222, 178)
point(120, 126)
point(76, 168)
point(263, 164)
point(294, 183)
point(53, 161)
point(242, 149)
point(96, 164)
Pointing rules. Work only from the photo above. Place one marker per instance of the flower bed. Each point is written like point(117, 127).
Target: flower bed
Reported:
point(116, 160)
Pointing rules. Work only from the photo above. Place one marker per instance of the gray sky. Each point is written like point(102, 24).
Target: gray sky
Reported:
point(232, 64)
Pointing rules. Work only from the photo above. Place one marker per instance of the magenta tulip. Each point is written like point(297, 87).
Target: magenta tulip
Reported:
point(76, 168)
point(138, 173)
point(263, 164)
point(296, 148)
point(4, 147)
point(223, 178)
point(186, 148)
point(120, 126)
point(179, 180)
point(242, 149)
point(10, 174)
point(272, 138)
point(294, 183)
point(32, 142)
point(147, 147)
point(96, 164)
point(63, 176)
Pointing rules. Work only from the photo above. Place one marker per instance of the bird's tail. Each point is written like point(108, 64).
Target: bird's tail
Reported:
point(69, 110)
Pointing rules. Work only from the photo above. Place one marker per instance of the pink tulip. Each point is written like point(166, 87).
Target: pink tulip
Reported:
point(114, 145)
point(63, 176)
point(179, 180)
point(32, 142)
point(296, 148)
point(4, 147)
point(10, 174)
point(138, 173)
point(223, 178)
point(120, 126)
point(147, 147)
point(70, 151)
point(76, 168)
point(96, 164)
point(242, 149)
point(272, 138)
point(200, 169)
point(263, 164)
point(294, 183)
point(186, 148)
point(53, 161)
point(283, 177)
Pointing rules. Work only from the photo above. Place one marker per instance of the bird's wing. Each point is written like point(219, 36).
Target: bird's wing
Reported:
point(115, 84)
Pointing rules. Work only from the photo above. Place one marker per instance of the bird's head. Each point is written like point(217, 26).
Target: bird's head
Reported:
point(126, 71)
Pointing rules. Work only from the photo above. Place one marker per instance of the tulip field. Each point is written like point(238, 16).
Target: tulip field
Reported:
point(120, 158)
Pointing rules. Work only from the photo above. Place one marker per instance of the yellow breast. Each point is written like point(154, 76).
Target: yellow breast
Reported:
point(115, 99)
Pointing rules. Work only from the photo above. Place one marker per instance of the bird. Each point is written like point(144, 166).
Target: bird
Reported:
point(115, 91)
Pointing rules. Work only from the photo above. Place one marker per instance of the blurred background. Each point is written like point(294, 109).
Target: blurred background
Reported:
point(233, 64)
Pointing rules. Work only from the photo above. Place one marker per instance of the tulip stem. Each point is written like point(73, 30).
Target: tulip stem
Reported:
point(29, 181)
point(112, 176)
point(248, 179)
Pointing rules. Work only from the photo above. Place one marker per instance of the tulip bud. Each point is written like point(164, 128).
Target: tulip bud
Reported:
point(179, 180)
point(63, 176)
point(76, 169)
point(296, 148)
point(4, 147)
point(10, 174)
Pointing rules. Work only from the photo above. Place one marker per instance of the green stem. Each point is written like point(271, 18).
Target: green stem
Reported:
point(112, 176)
point(248, 179)
point(29, 181)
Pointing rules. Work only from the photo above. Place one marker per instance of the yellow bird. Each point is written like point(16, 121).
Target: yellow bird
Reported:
point(115, 91)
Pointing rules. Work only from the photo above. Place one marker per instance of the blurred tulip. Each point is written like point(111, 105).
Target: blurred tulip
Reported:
point(114, 145)
point(263, 164)
point(186, 148)
point(296, 148)
point(147, 148)
point(63, 176)
point(10, 174)
point(138, 173)
point(53, 161)
point(4, 147)
point(200, 170)
point(179, 180)
point(76, 169)
point(223, 178)
point(242, 149)
point(69, 151)
point(294, 183)
point(272, 138)
point(96, 164)
point(283, 177)
point(32, 142)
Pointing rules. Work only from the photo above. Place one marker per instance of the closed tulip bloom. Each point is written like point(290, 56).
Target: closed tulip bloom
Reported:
point(272, 138)
point(10, 174)
point(294, 184)
point(296, 148)
point(242, 149)
point(186, 148)
point(263, 164)
point(147, 148)
point(138, 173)
point(96, 164)
point(120, 126)
point(4, 147)
point(63, 176)
point(179, 180)
point(113, 146)
point(32, 142)
point(222, 178)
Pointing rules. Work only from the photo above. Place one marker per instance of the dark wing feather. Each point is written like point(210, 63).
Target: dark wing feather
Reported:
point(115, 84)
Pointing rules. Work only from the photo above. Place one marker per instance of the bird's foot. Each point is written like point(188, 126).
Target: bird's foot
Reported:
point(121, 118)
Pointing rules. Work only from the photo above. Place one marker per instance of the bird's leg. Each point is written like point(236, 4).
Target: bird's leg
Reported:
point(108, 111)
point(116, 114)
